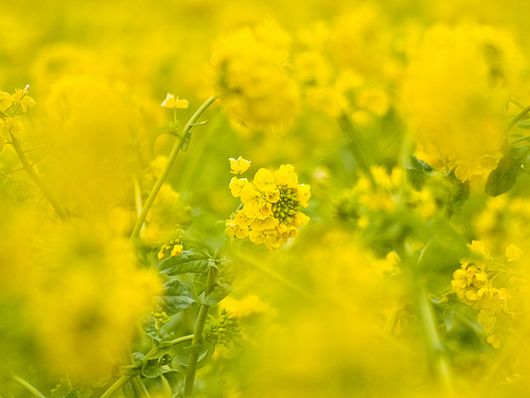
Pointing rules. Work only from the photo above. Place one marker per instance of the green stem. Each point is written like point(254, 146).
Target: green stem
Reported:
point(61, 213)
point(139, 387)
point(182, 339)
point(197, 334)
point(177, 146)
point(347, 127)
point(28, 386)
point(192, 165)
point(116, 386)
point(274, 275)
point(441, 364)
point(166, 387)
point(516, 119)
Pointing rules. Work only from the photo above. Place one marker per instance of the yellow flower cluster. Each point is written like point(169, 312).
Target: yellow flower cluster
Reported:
point(473, 284)
point(88, 299)
point(10, 106)
point(455, 94)
point(335, 71)
point(173, 248)
point(381, 194)
point(269, 213)
point(251, 74)
point(504, 220)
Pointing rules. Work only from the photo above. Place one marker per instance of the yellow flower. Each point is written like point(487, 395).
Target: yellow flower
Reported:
point(22, 98)
point(252, 76)
point(513, 253)
point(470, 68)
point(172, 102)
point(270, 203)
point(173, 248)
point(239, 165)
point(374, 100)
point(237, 185)
point(89, 297)
point(473, 284)
point(286, 176)
point(247, 306)
point(264, 180)
point(6, 100)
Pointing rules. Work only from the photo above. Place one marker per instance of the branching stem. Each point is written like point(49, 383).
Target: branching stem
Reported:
point(177, 146)
point(17, 146)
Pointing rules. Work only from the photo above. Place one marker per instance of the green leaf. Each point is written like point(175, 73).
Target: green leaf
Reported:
point(156, 368)
point(187, 262)
point(219, 292)
point(503, 177)
point(417, 172)
point(178, 296)
point(64, 390)
point(525, 124)
point(458, 195)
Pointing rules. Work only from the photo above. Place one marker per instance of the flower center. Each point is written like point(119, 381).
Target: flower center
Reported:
point(285, 208)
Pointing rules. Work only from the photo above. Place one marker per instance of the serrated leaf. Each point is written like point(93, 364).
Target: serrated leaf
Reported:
point(219, 292)
point(175, 304)
point(503, 177)
point(187, 262)
point(177, 297)
point(154, 369)
point(459, 194)
point(417, 172)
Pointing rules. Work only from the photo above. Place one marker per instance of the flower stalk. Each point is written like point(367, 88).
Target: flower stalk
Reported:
point(17, 146)
point(177, 147)
point(197, 333)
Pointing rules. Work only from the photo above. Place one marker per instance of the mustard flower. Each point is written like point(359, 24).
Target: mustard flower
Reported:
point(239, 165)
point(270, 207)
point(172, 102)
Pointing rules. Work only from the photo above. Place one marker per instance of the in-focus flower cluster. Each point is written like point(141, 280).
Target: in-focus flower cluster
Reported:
point(473, 283)
point(269, 213)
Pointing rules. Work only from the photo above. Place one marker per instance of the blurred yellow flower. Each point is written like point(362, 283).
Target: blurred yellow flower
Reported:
point(172, 102)
point(239, 165)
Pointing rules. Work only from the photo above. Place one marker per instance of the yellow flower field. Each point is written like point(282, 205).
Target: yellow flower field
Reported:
point(202, 198)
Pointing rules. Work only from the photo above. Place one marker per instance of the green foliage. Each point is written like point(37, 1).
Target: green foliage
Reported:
point(503, 177)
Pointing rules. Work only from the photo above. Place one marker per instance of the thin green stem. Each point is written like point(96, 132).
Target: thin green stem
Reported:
point(165, 386)
point(17, 146)
point(441, 363)
point(28, 386)
point(140, 388)
point(115, 387)
point(274, 275)
point(182, 339)
point(177, 146)
point(193, 164)
point(516, 119)
point(429, 323)
point(197, 334)
point(347, 127)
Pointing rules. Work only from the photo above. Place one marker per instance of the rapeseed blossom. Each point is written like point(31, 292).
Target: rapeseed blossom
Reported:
point(270, 204)
point(134, 263)
point(470, 68)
